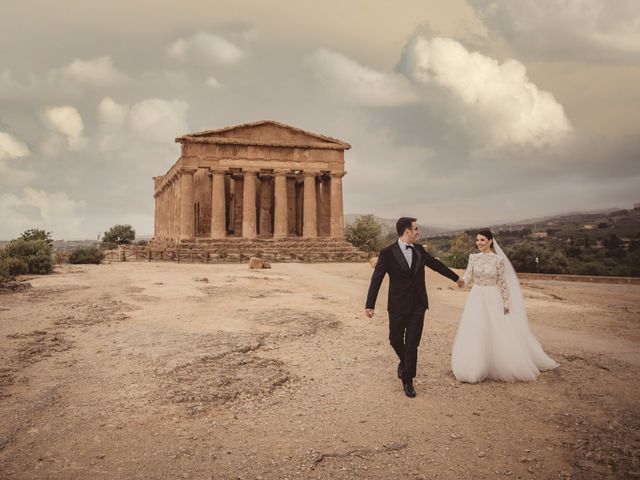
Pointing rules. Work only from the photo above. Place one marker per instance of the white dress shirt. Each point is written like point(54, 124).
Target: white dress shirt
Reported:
point(407, 252)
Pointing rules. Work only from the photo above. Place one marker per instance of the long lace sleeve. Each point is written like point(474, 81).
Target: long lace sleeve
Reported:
point(502, 284)
point(468, 273)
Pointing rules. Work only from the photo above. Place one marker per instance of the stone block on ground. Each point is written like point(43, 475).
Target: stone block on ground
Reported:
point(255, 263)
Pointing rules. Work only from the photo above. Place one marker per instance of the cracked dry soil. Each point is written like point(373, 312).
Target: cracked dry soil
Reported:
point(161, 371)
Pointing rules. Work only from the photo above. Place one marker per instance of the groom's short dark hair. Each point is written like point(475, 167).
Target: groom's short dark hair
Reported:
point(404, 223)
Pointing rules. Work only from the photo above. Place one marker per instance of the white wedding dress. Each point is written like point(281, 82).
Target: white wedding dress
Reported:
point(490, 344)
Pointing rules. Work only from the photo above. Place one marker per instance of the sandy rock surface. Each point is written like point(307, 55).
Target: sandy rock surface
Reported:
point(146, 371)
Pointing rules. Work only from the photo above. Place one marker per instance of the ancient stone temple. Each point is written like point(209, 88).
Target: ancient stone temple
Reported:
point(257, 188)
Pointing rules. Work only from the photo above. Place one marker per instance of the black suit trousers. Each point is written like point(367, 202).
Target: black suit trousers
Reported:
point(405, 332)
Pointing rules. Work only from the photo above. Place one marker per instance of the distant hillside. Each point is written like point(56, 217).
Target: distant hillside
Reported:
point(65, 245)
point(389, 225)
point(602, 243)
point(626, 223)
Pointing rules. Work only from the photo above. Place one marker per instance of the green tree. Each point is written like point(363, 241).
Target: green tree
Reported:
point(634, 263)
point(461, 247)
point(572, 250)
point(364, 233)
point(550, 259)
point(37, 234)
point(613, 242)
point(523, 256)
point(389, 238)
point(555, 263)
point(120, 235)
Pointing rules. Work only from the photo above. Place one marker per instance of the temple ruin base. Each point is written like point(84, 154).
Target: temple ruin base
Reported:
point(237, 250)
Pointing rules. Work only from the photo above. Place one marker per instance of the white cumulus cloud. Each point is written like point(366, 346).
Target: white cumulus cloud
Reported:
point(11, 147)
point(598, 30)
point(152, 120)
point(514, 109)
point(205, 48)
point(359, 84)
point(159, 119)
point(55, 212)
point(96, 71)
point(67, 121)
point(112, 114)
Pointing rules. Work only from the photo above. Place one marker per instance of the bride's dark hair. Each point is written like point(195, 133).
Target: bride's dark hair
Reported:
point(488, 235)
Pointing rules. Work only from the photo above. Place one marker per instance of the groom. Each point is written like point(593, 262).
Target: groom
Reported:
point(404, 262)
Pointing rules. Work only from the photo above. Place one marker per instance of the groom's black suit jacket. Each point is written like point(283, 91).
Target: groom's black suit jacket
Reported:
point(407, 289)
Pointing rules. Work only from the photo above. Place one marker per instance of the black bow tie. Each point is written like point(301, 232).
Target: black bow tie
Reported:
point(409, 247)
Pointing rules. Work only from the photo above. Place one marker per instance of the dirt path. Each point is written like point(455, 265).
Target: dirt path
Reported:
point(157, 371)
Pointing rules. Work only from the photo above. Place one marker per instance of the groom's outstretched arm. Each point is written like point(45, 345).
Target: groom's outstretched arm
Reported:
point(376, 279)
point(437, 266)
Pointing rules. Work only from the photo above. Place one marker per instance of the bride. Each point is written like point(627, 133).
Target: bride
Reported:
point(493, 339)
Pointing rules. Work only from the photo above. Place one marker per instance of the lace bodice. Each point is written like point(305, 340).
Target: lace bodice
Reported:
point(487, 269)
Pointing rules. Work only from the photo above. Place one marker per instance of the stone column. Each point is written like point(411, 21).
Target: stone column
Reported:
point(249, 204)
point(175, 208)
point(187, 216)
point(156, 215)
point(175, 213)
point(266, 200)
point(166, 212)
point(280, 197)
point(218, 204)
point(163, 214)
point(337, 218)
point(309, 221)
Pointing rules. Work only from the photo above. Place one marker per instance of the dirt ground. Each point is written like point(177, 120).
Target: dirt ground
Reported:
point(162, 371)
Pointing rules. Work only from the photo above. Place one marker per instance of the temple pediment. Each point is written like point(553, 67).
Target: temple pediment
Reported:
point(265, 133)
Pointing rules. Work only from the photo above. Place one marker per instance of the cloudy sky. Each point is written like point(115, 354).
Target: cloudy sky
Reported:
point(462, 113)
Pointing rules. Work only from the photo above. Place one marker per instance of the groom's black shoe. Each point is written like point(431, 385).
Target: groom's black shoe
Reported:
point(409, 391)
point(400, 370)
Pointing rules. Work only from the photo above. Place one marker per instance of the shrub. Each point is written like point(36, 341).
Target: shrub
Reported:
point(37, 255)
point(61, 257)
point(10, 267)
point(108, 246)
point(591, 268)
point(86, 255)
